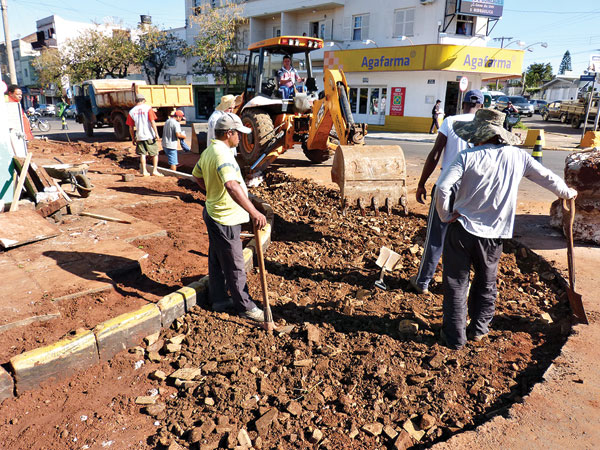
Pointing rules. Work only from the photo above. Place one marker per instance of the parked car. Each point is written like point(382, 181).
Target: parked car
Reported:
point(495, 95)
point(46, 109)
point(551, 110)
point(71, 112)
point(537, 104)
point(520, 103)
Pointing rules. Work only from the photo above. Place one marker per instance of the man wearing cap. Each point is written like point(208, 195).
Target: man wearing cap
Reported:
point(227, 207)
point(450, 145)
point(142, 129)
point(486, 178)
point(171, 135)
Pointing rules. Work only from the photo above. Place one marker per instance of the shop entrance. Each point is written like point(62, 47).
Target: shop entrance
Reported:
point(368, 104)
point(451, 106)
point(205, 102)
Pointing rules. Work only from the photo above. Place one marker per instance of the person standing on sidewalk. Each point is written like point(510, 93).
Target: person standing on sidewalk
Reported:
point(142, 129)
point(450, 145)
point(435, 114)
point(171, 136)
point(227, 207)
point(486, 180)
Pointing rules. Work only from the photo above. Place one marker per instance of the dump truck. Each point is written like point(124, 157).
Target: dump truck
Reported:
point(574, 111)
point(320, 121)
point(107, 102)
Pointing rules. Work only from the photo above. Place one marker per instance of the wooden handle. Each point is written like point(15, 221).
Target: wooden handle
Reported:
point(263, 278)
point(569, 207)
point(15, 200)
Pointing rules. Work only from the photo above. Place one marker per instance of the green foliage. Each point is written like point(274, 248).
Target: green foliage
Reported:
point(537, 73)
point(216, 42)
point(521, 126)
point(565, 64)
point(158, 50)
point(50, 68)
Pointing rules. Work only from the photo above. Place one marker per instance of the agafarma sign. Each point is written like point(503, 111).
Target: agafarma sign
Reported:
point(488, 8)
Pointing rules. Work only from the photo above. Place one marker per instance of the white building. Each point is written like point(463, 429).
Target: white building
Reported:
point(399, 56)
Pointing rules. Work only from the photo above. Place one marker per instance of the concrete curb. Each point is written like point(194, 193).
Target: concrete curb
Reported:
point(88, 347)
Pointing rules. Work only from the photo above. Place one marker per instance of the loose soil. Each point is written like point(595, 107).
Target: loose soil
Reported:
point(357, 367)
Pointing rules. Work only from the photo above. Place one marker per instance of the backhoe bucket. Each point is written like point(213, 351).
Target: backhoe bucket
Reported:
point(371, 175)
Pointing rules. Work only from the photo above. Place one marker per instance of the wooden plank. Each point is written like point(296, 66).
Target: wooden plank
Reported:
point(47, 209)
point(29, 184)
point(17, 194)
point(23, 227)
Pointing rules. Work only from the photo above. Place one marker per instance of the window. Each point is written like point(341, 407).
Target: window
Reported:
point(464, 25)
point(276, 31)
point(25, 73)
point(404, 22)
point(360, 27)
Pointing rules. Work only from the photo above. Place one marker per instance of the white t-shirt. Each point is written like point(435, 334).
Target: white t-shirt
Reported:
point(454, 144)
point(212, 121)
point(140, 115)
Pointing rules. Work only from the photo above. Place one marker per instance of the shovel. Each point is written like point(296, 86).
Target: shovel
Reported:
point(268, 324)
point(387, 260)
point(574, 297)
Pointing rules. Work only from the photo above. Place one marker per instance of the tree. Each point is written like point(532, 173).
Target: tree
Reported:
point(565, 64)
point(158, 49)
point(537, 73)
point(50, 68)
point(216, 45)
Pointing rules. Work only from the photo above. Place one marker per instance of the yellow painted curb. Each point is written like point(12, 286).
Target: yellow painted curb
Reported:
point(54, 361)
point(171, 307)
point(126, 330)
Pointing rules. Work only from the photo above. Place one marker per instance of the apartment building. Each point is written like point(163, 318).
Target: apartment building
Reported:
point(399, 56)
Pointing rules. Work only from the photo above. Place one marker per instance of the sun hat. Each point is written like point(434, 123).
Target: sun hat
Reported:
point(227, 101)
point(486, 124)
point(230, 121)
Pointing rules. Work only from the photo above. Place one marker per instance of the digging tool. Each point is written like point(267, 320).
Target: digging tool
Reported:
point(268, 324)
point(574, 298)
point(387, 260)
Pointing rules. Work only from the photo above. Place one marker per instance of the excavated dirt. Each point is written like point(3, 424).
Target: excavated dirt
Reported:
point(351, 367)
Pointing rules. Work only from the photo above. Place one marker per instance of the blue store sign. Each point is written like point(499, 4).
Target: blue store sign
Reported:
point(488, 8)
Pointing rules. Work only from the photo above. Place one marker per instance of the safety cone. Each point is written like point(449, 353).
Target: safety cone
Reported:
point(537, 150)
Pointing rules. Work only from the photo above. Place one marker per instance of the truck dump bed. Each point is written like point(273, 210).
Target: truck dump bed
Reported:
point(122, 93)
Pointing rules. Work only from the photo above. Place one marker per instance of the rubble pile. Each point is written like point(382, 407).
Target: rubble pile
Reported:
point(582, 172)
point(350, 366)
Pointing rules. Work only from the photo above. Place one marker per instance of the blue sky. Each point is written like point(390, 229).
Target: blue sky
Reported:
point(565, 25)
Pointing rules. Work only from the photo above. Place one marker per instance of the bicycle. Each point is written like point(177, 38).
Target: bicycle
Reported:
point(37, 122)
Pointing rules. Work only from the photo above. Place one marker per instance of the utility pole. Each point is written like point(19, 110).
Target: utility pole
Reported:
point(501, 39)
point(9, 51)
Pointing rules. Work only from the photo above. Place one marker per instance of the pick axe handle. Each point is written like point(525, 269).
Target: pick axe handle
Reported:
point(263, 273)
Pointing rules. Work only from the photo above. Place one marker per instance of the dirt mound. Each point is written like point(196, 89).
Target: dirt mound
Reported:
point(361, 367)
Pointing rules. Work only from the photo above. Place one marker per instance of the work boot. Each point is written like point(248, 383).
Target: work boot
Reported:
point(223, 305)
point(255, 314)
point(416, 287)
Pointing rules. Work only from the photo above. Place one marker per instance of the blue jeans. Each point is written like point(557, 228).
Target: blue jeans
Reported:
point(186, 148)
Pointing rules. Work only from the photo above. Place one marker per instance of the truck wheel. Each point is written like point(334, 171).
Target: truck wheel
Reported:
point(253, 144)
point(120, 127)
point(88, 127)
point(575, 122)
point(563, 118)
point(545, 116)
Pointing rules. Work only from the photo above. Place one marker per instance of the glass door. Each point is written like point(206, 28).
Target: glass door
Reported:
point(368, 104)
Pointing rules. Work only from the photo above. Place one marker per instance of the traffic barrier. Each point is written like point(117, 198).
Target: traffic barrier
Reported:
point(537, 150)
point(533, 136)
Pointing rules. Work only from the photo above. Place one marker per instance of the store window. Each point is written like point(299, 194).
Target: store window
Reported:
point(369, 102)
point(360, 27)
point(465, 25)
point(404, 22)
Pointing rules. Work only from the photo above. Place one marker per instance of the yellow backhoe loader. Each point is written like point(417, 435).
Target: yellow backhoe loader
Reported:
point(320, 121)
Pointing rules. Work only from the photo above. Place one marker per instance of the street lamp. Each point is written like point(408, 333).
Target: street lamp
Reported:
point(370, 41)
point(406, 38)
point(331, 44)
point(518, 42)
point(543, 44)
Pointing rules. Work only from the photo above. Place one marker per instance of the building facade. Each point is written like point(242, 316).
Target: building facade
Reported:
point(399, 56)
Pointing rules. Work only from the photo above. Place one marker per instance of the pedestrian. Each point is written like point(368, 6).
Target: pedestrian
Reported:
point(15, 95)
point(287, 77)
point(227, 104)
point(62, 109)
point(142, 128)
point(171, 135)
point(435, 114)
point(449, 144)
point(227, 207)
point(510, 110)
point(487, 179)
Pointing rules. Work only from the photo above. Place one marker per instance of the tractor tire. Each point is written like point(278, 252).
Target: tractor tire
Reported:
point(575, 122)
point(88, 127)
point(252, 145)
point(120, 127)
point(316, 156)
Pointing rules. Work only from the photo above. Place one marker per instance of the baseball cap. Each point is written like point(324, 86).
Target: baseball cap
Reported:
point(230, 121)
point(140, 97)
point(179, 113)
point(474, 96)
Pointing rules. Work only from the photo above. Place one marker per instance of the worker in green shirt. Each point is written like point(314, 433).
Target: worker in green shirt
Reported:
point(227, 207)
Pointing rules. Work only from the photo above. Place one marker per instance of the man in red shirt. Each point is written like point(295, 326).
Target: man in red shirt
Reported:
point(142, 128)
point(15, 95)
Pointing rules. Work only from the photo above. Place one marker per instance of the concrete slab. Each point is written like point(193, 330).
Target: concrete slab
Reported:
point(6, 385)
